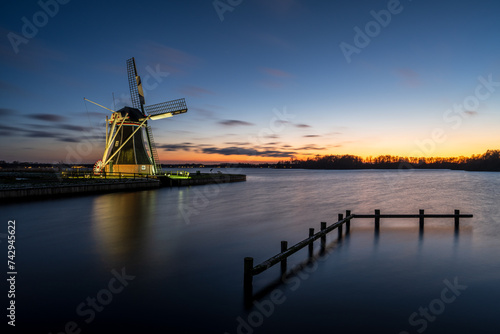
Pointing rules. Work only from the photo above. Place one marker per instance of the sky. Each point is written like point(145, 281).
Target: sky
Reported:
point(264, 80)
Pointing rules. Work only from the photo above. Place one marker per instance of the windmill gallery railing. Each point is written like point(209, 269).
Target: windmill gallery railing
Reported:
point(107, 175)
point(250, 270)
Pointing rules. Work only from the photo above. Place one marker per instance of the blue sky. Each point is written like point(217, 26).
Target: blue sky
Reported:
point(267, 82)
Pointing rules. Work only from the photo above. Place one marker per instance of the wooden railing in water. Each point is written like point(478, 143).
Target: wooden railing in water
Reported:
point(250, 270)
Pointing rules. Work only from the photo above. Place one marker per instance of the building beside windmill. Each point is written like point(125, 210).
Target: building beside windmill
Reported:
point(129, 146)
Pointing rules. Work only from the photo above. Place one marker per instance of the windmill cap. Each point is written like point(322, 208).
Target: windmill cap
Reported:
point(134, 114)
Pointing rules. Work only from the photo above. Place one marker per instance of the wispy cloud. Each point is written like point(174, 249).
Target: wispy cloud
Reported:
point(302, 125)
point(4, 112)
point(270, 150)
point(40, 134)
point(69, 140)
point(247, 152)
point(194, 91)
point(311, 147)
point(276, 72)
point(61, 127)
point(275, 78)
point(234, 122)
point(73, 127)
point(203, 112)
point(8, 131)
point(91, 114)
point(177, 147)
point(47, 117)
point(409, 77)
point(311, 136)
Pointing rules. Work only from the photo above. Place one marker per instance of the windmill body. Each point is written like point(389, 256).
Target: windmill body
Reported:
point(133, 157)
point(130, 146)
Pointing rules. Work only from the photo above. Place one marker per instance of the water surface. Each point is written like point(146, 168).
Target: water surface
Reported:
point(184, 248)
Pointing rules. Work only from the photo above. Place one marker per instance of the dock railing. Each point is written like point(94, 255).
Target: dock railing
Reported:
point(250, 270)
point(107, 175)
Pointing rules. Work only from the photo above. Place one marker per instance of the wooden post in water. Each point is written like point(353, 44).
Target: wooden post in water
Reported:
point(323, 237)
point(377, 220)
point(421, 219)
point(348, 223)
point(457, 219)
point(341, 216)
point(248, 274)
point(284, 247)
point(311, 245)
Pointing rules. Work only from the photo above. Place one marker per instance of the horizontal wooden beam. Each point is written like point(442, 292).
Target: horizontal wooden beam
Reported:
point(295, 248)
point(427, 215)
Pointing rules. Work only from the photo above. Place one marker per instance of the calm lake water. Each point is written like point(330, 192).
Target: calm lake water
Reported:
point(171, 260)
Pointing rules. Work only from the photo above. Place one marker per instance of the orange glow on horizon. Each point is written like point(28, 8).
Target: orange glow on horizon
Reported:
point(218, 158)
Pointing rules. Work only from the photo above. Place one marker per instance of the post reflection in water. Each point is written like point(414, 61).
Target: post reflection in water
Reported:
point(120, 223)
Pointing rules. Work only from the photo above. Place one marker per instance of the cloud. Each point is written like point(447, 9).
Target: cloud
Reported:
point(275, 79)
point(409, 77)
point(69, 140)
point(91, 114)
point(40, 134)
point(176, 147)
point(275, 72)
point(7, 131)
point(6, 112)
point(47, 117)
point(72, 127)
point(234, 122)
point(471, 112)
point(207, 113)
point(61, 126)
point(311, 136)
point(247, 152)
point(9, 128)
point(301, 125)
point(236, 148)
point(194, 91)
point(311, 147)
point(271, 136)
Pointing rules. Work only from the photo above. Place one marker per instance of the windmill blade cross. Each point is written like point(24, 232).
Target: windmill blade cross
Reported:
point(166, 109)
point(134, 82)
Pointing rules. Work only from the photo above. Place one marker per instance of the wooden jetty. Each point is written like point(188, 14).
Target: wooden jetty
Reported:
point(250, 270)
point(26, 186)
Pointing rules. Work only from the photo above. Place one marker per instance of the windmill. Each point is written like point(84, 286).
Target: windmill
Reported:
point(130, 146)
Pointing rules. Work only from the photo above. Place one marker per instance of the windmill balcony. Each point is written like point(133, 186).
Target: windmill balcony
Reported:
point(130, 169)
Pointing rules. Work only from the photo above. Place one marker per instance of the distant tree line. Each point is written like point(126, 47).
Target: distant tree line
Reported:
point(489, 161)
